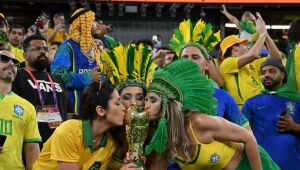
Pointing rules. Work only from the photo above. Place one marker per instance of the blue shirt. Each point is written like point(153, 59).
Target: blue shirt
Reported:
point(74, 68)
point(228, 109)
point(283, 147)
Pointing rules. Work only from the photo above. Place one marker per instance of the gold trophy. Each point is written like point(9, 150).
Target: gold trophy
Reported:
point(137, 123)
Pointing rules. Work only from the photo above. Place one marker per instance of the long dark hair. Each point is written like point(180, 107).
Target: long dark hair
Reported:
point(92, 97)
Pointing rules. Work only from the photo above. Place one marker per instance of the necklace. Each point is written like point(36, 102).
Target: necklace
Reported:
point(96, 140)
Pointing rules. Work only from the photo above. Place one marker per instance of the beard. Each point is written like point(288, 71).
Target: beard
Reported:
point(41, 63)
point(271, 86)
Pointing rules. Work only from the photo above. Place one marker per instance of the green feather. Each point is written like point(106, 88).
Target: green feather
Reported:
point(130, 60)
point(144, 59)
point(248, 26)
point(160, 138)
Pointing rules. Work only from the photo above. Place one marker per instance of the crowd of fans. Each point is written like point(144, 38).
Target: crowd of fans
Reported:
point(64, 92)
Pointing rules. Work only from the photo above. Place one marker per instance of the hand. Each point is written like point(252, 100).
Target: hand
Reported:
point(224, 11)
point(159, 57)
point(260, 24)
point(96, 74)
point(102, 29)
point(44, 31)
point(130, 166)
point(285, 124)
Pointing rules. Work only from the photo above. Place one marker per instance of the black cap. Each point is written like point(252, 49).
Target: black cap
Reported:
point(275, 63)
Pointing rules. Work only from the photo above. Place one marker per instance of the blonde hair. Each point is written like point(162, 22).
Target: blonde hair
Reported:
point(177, 137)
point(248, 16)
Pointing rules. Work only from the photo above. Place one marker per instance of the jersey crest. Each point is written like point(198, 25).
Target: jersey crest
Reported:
point(214, 158)
point(96, 165)
point(19, 111)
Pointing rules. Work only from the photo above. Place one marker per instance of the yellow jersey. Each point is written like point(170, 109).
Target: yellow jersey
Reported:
point(242, 83)
point(72, 141)
point(213, 156)
point(19, 123)
point(18, 53)
point(59, 36)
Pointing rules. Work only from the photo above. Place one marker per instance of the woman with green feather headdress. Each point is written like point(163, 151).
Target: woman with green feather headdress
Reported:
point(180, 101)
point(131, 71)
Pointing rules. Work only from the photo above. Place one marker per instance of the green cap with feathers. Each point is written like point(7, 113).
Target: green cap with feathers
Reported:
point(131, 65)
point(200, 35)
point(180, 81)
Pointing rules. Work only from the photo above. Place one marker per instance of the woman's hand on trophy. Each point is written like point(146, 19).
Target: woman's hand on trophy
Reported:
point(130, 166)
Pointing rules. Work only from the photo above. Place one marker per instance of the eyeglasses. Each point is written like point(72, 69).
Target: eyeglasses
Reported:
point(6, 59)
point(38, 48)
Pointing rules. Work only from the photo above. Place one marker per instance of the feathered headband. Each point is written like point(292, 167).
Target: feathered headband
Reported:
point(201, 36)
point(180, 81)
point(131, 65)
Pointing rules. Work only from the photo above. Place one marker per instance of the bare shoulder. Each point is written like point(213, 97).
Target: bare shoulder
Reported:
point(205, 122)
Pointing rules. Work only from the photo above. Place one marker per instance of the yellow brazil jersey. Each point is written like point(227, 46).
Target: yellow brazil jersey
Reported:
point(72, 141)
point(242, 83)
point(59, 36)
point(19, 123)
point(297, 66)
point(213, 156)
point(18, 53)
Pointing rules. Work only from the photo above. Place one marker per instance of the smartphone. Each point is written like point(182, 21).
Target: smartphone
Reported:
point(285, 113)
point(42, 20)
point(2, 139)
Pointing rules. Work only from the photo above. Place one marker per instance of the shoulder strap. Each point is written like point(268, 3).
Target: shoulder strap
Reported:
point(193, 133)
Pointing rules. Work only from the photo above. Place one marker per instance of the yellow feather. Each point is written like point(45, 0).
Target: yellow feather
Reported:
point(218, 35)
point(198, 30)
point(115, 72)
point(185, 29)
point(150, 74)
point(207, 35)
point(175, 38)
point(121, 57)
point(138, 62)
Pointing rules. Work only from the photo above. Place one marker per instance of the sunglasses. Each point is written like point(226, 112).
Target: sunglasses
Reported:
point(6, 59)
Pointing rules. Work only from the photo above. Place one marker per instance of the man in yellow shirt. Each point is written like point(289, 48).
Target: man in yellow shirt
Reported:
point(18, 120)
point(240, 68)
point(293, 63)
point(15, 35)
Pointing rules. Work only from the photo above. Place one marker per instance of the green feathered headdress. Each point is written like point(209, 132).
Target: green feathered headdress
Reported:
point(131, 65)
point(200, 35)
point(180, 81)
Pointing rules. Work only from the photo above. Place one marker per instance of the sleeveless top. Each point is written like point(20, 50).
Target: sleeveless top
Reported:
point(213, 156)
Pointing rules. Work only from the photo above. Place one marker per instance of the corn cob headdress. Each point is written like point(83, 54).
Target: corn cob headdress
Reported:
point(131, 65)
point(80, 31)
point(180, 81)
point(200, 35)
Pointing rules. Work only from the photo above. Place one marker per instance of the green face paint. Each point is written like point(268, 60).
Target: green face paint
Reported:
point(3, 37)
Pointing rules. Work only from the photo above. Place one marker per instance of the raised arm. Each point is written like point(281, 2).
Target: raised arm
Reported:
point(274, 51)
point(231, 18)
point(253, 53)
